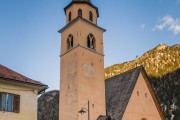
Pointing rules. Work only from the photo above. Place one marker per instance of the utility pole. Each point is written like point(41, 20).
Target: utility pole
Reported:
point(88, 111)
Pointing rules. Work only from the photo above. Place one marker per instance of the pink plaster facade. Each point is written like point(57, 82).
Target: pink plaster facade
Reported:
point(85, 12)
point(82, 68)
point(142, 105)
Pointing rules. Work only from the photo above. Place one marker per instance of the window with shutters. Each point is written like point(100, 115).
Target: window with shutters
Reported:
point(9, 102)
point(16, 105)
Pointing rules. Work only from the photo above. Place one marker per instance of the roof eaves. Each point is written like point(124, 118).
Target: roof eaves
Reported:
point(68, 25)
point(80, 18)
point(140, 67)
point(28, 83)
point(43, 90)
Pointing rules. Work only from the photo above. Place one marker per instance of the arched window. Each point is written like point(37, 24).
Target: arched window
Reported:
point(91, 41)
point(69, 16)
point(90, 16)
point(70, 42)
point(79, 13)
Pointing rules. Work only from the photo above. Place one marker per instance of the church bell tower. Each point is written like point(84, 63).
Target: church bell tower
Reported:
point(82, 88)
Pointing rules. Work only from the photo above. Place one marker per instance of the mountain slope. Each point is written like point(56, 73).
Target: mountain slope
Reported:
point(162, 65)
point(48, 106)
point(157, 62)
point(167, 90)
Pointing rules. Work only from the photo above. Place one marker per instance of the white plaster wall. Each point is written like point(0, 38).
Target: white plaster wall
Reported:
point(28, 102)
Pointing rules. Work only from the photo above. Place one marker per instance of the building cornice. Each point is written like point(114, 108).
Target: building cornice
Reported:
point(43, 86)
point(84, 20)
point(81, 47)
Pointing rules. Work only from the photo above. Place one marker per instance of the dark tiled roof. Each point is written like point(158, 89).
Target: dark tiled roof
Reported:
point(118, 92)
point(82, 2)
point(10, 75)
point(101, 117)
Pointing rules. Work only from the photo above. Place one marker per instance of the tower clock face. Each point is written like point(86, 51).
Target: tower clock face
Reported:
point(87, 69)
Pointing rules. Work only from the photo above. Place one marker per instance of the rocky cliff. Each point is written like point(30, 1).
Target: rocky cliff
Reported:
point(48, 106)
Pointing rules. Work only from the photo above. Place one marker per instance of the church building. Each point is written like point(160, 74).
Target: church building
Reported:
point(130, 96)
point(85, 95)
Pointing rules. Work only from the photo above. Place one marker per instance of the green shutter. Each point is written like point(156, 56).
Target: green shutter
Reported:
point(16, 104)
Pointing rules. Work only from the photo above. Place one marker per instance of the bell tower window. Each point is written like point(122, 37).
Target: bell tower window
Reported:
point(90, 16)
point(91, 42)
point(70, 42)
point(79, 13)
point(69, 16)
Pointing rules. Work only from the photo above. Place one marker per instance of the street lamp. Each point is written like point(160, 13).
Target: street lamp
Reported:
point(83, 110)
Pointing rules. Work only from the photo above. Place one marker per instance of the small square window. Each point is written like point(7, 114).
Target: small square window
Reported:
point(137, 93)
point(146, 95)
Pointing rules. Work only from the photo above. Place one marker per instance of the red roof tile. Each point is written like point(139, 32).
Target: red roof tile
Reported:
point(7, 73)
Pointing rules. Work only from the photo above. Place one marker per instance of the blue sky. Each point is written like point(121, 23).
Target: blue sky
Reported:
point(30, 43)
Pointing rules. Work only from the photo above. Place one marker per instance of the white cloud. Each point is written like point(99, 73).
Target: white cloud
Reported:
point(142, 26)
point(169, 23)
